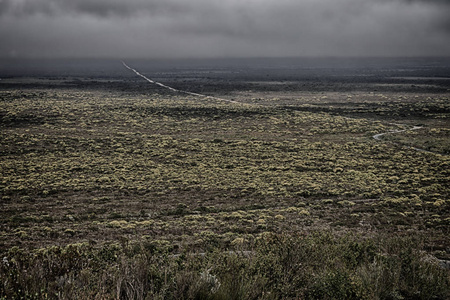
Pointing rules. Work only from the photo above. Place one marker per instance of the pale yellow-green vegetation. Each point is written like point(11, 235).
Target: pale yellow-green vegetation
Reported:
point(130, 194)
point(91, 165)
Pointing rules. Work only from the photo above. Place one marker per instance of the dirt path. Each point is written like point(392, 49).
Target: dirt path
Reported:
point(379, 136)
point(176, 90)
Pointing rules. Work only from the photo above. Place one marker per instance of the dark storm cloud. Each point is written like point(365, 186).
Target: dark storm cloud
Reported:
point(100, 8)
point(140, 28)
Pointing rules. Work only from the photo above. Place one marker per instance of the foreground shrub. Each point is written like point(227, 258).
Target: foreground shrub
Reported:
point(318, 266)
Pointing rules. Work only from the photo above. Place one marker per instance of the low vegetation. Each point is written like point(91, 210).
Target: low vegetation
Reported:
point(317, 266)
point(109, 194)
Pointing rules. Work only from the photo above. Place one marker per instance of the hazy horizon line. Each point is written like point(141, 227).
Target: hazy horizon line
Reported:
point(162, 58)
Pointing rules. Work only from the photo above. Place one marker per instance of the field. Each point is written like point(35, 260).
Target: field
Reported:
point(112, 187)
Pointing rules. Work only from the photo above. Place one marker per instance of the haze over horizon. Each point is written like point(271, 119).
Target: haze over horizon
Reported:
point(212, 29)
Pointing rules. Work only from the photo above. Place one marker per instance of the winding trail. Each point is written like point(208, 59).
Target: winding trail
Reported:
point(379, 136)
point(177, 90)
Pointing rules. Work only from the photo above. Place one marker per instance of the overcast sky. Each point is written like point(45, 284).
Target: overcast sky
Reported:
point(223, 28)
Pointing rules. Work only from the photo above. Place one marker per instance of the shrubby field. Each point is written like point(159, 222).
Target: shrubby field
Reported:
point(123, 193)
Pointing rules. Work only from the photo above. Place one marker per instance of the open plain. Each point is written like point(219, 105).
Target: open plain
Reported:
point(263, 181)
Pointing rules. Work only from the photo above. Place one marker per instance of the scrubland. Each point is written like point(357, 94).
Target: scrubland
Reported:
point(130, 195)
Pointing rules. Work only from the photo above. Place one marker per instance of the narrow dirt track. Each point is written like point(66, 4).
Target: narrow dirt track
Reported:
point(176, 90)
point(379, 136)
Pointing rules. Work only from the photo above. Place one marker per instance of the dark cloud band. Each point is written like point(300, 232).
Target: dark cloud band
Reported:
point(111, 8)
point(224, 28)
point(100, 8)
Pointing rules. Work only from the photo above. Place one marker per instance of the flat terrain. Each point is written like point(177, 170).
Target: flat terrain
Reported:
point(112, 159)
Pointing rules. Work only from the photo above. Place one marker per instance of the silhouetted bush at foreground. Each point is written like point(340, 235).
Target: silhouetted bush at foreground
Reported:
point(317, 266)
